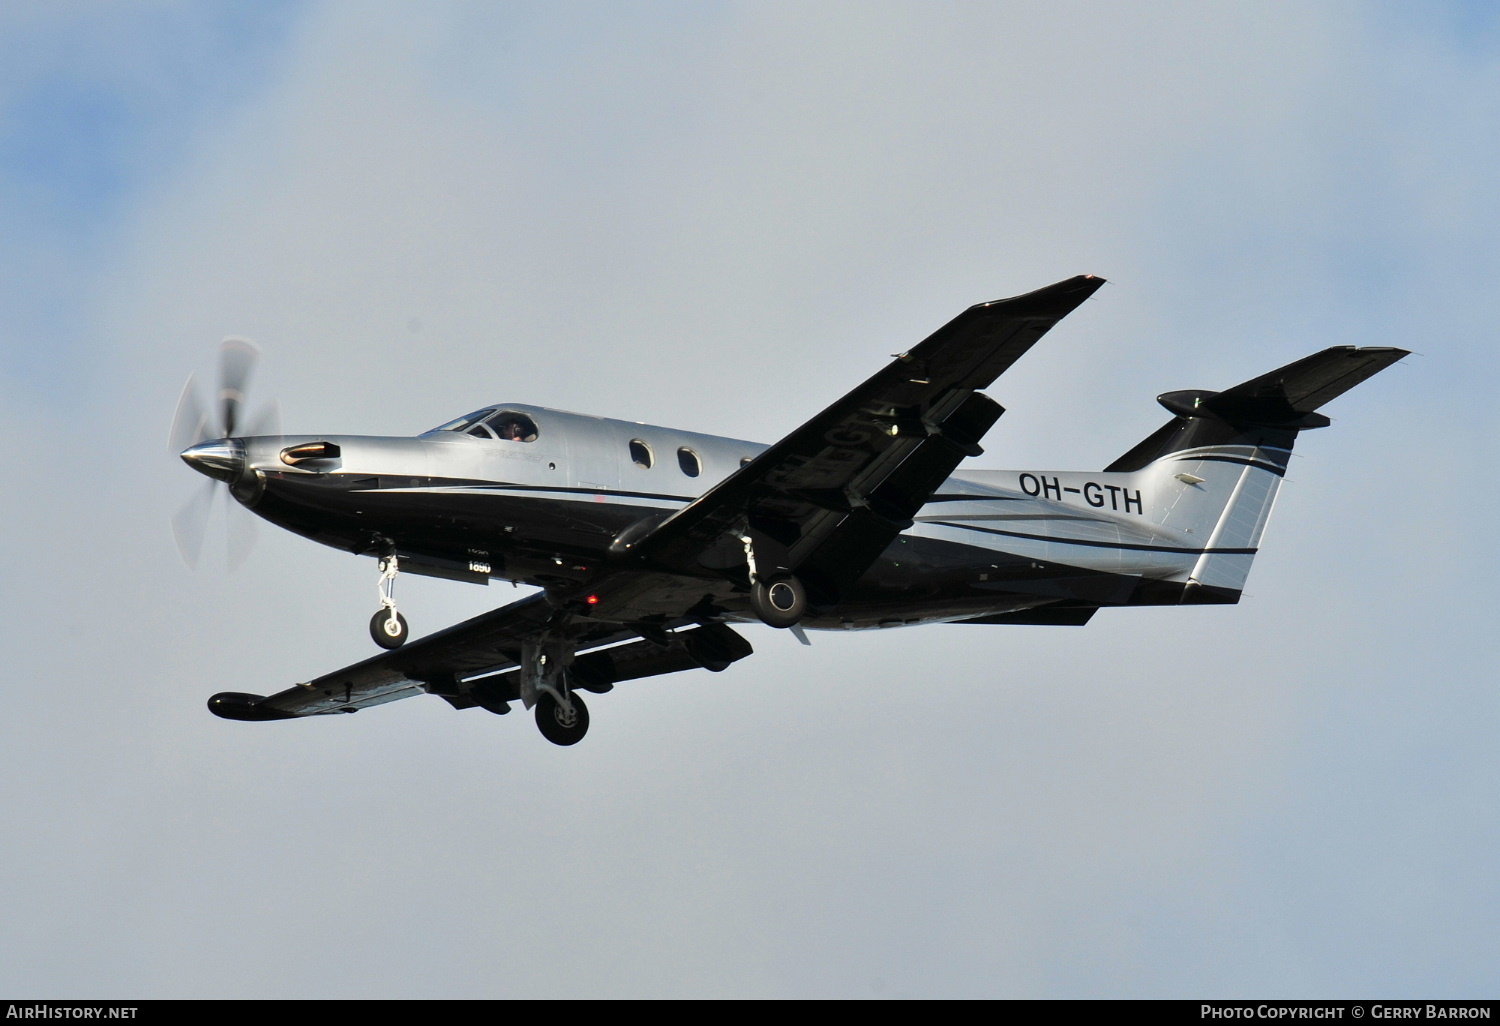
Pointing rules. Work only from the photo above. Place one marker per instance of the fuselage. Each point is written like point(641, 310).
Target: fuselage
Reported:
point(539, 496)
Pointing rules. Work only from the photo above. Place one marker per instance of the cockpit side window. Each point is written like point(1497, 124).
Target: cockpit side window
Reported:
point(510, 426)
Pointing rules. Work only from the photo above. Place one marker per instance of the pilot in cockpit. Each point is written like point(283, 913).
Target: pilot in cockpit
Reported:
point(512, 427)
point(505, 425)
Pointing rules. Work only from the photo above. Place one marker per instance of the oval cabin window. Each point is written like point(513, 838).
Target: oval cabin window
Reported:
point(640, 454)
point(687, 459)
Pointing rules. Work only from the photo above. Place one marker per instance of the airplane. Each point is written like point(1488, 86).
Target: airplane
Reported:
point(650, 546)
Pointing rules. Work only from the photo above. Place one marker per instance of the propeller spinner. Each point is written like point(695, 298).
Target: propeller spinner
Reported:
point(215, 450)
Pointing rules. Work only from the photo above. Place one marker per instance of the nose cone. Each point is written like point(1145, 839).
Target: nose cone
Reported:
point(223, 459)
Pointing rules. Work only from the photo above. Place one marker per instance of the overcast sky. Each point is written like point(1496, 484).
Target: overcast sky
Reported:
point(720, 217)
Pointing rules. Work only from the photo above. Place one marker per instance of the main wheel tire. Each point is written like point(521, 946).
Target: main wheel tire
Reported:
point(779, 601)
point(557, 724)
point(384, 632)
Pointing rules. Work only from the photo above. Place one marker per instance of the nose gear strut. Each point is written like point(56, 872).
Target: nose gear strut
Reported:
point(388, 627)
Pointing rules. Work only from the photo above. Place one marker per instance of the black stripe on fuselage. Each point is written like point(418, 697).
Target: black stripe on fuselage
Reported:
point(1014, 516)
point(976, 498)
point(1096, 544)
point(492, 486)
point(1273, 468)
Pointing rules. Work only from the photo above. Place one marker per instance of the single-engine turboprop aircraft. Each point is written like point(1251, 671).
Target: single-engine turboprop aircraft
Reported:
point(650, 544)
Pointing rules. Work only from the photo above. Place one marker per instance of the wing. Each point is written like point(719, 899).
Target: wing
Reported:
point(826, 500)
point(437, 663)
point(474, 662)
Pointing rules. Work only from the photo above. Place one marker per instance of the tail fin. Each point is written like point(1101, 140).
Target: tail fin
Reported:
point(1213, 470)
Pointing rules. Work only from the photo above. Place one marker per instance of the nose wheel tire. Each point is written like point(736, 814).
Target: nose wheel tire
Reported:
point(388, 628)
point(558, 724)
point(779, 601)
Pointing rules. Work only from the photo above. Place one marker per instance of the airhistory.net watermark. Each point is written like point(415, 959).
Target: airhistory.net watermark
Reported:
point(44, 1010)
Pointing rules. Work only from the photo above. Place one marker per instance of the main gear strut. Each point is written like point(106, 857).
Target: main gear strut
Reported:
point(561, 715)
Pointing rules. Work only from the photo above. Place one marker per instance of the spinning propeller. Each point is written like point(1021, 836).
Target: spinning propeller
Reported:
point(216, 449)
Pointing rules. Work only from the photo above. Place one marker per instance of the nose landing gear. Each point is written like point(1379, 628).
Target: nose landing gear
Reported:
point(388, 627)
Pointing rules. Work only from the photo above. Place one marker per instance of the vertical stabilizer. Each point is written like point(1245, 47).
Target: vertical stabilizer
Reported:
point(1213, 470)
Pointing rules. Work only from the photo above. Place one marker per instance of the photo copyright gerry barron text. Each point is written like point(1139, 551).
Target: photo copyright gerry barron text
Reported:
point(1312, 1010)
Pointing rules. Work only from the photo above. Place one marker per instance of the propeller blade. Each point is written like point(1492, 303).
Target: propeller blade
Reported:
point(267, 422)
point(242, 532)
point(237, 359)
point(190, 523)
point(190, 423)
point(193, 423)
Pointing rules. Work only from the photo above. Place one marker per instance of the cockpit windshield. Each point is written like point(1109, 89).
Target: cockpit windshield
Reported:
point(490, 423)
point(463, 422)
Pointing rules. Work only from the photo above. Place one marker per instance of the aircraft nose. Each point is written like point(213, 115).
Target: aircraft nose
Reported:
point(223, 459)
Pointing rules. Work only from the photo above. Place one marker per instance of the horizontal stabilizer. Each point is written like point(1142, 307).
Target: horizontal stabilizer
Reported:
point(1313, 380)
point(1282, 402)
point(1290, 395)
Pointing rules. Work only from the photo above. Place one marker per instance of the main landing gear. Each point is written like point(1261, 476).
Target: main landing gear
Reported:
point(562, 724)
point(388, 627)
point(779, 600)
point(561, 715)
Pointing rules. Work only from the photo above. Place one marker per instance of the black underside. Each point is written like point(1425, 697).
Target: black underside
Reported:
point(474, 530)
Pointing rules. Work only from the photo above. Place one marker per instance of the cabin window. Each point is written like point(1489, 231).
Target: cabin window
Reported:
point(510, 426)
point(640, 454)
point(688, 460)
